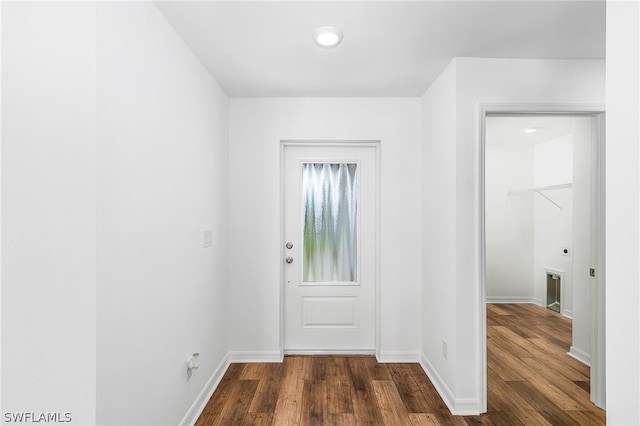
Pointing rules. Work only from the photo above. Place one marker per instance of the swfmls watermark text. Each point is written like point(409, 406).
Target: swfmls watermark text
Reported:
point(36, 417)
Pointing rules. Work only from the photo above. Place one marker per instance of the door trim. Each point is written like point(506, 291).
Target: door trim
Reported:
point(376, 145)
point(597, 111)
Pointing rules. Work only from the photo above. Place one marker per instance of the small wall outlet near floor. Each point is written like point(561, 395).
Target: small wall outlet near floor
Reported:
point(444, 349)
point(207, 239)
point(193, 363)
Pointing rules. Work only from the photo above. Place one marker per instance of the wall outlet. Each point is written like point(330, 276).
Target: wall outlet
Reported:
point(444, 349)
point(193, 363)
point(207, 239)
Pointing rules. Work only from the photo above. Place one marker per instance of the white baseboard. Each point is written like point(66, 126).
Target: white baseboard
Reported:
point(508, 299)
point(329, 352)
point(568, 313)
point(580, 355)
point(203, 398)
point(458, 407)
point(256, 356)
point(398, 356)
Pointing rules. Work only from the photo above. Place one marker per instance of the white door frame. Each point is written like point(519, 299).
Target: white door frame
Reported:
point(598, 372)
point(375, 144)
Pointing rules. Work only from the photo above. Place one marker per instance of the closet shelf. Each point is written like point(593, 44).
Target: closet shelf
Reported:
point(539, 190)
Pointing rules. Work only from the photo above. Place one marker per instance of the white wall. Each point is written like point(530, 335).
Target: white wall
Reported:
point(114, 160)
point(161, 181)
point(509, 222)
point(525, 232)
point(438, 232)
point(0, 205)
point(553, 227)
point(256, 128)
point(475, 82)
point(623, 213)
point(48, 209)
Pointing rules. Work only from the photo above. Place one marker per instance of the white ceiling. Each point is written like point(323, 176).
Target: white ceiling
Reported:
point(507, 130)
point(390, 48)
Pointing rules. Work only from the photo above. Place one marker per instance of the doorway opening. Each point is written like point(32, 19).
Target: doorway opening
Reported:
point(542, 220)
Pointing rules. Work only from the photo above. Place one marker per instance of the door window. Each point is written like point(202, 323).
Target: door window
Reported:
point(329, 193)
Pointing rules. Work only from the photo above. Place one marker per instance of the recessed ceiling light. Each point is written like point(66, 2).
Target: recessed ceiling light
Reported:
point(529, 130)
point(327, 36)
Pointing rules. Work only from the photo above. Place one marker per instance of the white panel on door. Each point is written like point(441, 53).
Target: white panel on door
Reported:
point(330, 312)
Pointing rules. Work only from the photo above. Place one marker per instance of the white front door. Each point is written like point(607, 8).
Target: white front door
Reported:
point(329, 248)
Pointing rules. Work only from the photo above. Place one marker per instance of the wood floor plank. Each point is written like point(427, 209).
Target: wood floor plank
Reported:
point(531, 381)
point(376, 370)
point(389, 403)
point(561, 367)
point(339, 394)
point(269, 388)
point(406, 381)
point(314, 402)
point(240, 398)
point(529, 418)
point(497, 309)
point(500, 397)
point(566, 385)
point(543, 404)
point(501, 366)
point(547, 348)
point(436, 405)
point(252, 371)
point(423, 419)
point(288, 410)
point(342, 419)
point(588, 417)
point(363, 394)
point(258, 419)
point(230, 381)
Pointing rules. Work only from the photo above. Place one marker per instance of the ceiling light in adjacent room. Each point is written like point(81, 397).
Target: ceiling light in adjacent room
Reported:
point(327, 36)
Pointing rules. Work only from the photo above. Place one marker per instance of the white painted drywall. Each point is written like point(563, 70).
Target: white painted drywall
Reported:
point(509, 222)
point(256, 128)
point(1, 205)
point(525, 232)
point(161, 182)
point(439, 227)
point(48, 209)
point(475, 82)
point(623, 213)
point(553, 227)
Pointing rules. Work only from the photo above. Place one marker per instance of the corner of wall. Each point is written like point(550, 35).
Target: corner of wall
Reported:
point(204, 396)
point(457, 406)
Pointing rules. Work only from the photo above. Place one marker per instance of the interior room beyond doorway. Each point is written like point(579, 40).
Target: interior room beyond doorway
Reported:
point(539, 216)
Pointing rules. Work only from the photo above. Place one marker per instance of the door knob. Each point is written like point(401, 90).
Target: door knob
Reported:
point(289, 259)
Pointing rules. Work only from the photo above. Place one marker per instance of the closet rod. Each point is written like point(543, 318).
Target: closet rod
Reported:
point(539, 190)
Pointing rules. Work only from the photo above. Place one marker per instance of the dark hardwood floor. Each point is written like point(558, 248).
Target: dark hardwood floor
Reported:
point(531, 381)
